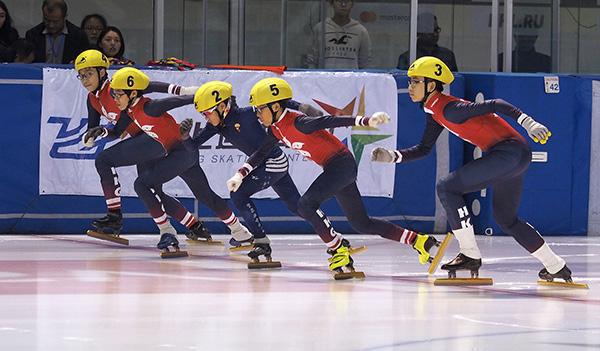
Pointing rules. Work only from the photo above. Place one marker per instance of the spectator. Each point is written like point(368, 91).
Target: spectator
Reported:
point(93, 25)
point(524, 57)
point(8, 34)
point(56, 40)
point(112, 44)
point(428, 35)
point(347, 42)
point(24, 51)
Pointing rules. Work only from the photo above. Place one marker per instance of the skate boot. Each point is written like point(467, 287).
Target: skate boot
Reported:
point(262, 250)
point(198, 234)
point(423, 246)
point(241, 239)
point(564, 274)
point(340, 260)
point(108, 228)
point(167, 240)
point(463, 263)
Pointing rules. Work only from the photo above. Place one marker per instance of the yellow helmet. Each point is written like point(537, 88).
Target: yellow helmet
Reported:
point(129, 78)
point(431, 67)
point(91, 58)
point(211, 94)
point(269, 90)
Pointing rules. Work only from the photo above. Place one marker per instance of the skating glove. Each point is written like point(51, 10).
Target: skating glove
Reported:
point(89, 138)
point(309, 110)
point(188, 90)
point(536, 131)
point(185, 127)
point(379, 118)
point(380, 154)
point(233, 184)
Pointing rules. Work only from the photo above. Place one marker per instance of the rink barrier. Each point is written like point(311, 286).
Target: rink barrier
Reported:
point(555, 199)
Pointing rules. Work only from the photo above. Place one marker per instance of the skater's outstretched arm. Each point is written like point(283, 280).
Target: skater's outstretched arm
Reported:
point(307, 109)
point(92, 134)
point(260, 155)
point(200, 138)
point(307, 124)
point(156, 108)
point(461, 111)
point(173, 89)
point(430, 135)
point(257, 158)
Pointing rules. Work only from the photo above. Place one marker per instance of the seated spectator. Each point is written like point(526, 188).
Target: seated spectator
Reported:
point(428, 35)
point(524, 57)
point(23, 50)
point(8, 34)
point(93, 25)
point(112, 44)
point(56, 40)
point(347, 42)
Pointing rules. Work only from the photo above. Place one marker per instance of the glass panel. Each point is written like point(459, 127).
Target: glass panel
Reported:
point(532, 36)
point(262, 32)
point(580, 30)
point(302, 17)
point(217, 31)
point(184, 31)
point(436, 34)
point(388, 26)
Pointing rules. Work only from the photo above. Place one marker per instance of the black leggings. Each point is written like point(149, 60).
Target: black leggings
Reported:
point(503, 168)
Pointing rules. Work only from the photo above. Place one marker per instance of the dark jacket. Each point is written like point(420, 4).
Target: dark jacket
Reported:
point(75, 42)
point(6, 40)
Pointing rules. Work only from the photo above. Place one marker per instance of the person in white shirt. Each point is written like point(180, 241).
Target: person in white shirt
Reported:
point(347, 42)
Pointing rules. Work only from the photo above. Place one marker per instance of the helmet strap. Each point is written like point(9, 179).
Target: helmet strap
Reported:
point(101, 79)
point(273, 114)
point(225, 112)
point(425, 92)
point(131, 101)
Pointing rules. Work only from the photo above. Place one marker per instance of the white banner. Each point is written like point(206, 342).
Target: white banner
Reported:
point(67, 167)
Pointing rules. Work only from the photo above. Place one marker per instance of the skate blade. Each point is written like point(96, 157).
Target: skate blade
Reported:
point(108, 237)
point(349, 275)
point(357, 250)
point(463, 281)
point(173, 254)
point(262, 265)
point(568, 285)
point(241, 248)
point(204, 242)
point(439, 254)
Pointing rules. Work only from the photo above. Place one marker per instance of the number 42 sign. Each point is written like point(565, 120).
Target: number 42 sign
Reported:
point(551, 85)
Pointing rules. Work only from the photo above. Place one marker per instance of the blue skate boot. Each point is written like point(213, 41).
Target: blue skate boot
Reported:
point(241, 239)
point(167, 240)
point(262, 249)
point(108, 228)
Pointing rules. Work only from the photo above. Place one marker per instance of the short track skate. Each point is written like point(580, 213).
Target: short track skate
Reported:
point(115, 238)
point(245, 245)
point(435, 261)
point(547, 279)
point(342, 264)
point(199, 235)
point(210, 241)
point(108, 228)
point(169, 240)
point(461, 263)
point(262, 250)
